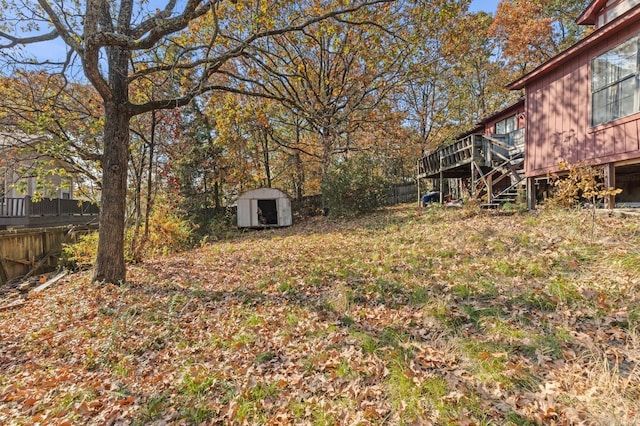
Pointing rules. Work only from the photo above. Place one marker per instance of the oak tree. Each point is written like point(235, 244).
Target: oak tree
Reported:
point(186, 45)
point(334, 77)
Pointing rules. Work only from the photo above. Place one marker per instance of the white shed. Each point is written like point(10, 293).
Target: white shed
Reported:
point(264, 207)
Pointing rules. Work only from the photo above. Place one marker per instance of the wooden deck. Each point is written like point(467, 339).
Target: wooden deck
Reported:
point(456, 160)
point(25, 212)
point(485, 160)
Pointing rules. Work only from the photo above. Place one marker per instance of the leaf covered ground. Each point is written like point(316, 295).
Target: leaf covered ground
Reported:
point(405, 316)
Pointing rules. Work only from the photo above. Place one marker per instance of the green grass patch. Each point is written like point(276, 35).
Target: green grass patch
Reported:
point(196, 384)
point(629, 262)
point(488, 359)
point(404, 395)
point(535, 299)
point(197, 414)
point(565, 291)
point(264, 357)
point(418, 296)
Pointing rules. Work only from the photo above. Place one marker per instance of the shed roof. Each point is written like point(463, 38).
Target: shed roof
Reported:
point(263, 193)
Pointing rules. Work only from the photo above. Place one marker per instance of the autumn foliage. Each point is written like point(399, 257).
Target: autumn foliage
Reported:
point(531, 32)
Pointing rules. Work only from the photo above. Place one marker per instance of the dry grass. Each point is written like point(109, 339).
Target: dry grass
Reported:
point(405, 316)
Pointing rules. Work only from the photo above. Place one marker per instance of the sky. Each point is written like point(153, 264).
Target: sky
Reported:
point(485, 5)
point(57, 49)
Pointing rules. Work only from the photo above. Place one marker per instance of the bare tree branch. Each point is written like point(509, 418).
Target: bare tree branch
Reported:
point(15, 41)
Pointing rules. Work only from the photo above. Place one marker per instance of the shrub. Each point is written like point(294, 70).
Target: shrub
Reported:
point(580, 183)
point(354, 186)
point(168, 232)
point(211, 223)
point(81, 254)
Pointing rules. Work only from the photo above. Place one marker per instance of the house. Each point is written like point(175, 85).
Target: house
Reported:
point(583, 105)
point(30, 196)
point(18, 165)
point(264, 207)
point(484, 163)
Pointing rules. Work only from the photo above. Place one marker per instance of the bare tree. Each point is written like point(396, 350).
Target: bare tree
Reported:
point(128, 44)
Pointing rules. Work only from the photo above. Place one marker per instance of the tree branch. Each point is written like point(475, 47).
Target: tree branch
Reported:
point(14, 41)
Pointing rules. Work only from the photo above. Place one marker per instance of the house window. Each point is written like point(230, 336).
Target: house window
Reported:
point(615, 9)
point(614, 83)
point(507, 125)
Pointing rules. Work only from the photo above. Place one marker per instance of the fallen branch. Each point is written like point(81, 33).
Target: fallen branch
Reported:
point(39, 264)
point(49, 283)
point(14, 304)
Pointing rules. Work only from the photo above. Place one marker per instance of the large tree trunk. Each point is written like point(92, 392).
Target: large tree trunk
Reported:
point(110, 266)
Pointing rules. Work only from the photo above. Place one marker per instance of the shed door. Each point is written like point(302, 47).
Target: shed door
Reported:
point(267, 212)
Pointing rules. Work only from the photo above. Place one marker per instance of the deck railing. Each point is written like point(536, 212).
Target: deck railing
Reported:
point(12, 207)
point(481, 149)
point(460, 152)
point(27, 212)
point(27, 207)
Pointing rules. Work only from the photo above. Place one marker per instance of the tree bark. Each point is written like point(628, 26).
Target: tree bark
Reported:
point(299, 176)
point(110, 265)
point(265, 152)
point(149, 204)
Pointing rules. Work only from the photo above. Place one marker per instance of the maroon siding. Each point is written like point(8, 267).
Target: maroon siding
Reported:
point(559, 117)
point(516, 109)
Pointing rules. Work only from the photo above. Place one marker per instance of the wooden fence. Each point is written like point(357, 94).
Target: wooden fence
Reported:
point(27, 251)
point(402, 193)
point(311, 205)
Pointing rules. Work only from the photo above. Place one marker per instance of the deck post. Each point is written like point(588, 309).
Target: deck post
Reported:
point(531, 193)
point(441, 183)
point(418, 184)
point(490, 188)
point(473, 167)
point(27, 206)
point(610, 182)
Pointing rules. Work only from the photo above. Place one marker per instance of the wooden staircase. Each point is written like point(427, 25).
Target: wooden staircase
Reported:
point(506, 161)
